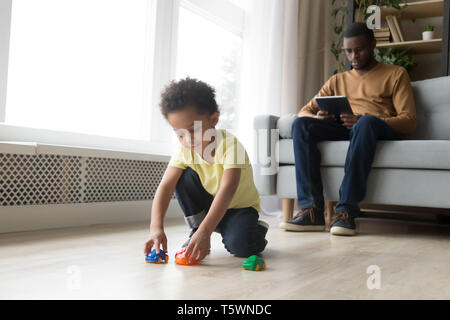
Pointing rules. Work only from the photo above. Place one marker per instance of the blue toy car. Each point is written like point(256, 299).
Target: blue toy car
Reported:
point(153, 257)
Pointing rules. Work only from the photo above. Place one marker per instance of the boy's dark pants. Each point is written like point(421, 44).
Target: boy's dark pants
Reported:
point(241, 233)
point(363, 136)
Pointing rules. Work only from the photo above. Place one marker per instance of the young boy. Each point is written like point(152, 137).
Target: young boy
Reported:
point(211, 176)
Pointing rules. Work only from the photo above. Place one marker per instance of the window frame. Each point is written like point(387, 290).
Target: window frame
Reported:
point(5, 30)
point(162, 45)
point(224, 13)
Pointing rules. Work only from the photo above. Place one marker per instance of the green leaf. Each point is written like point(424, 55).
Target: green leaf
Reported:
point(392, 55)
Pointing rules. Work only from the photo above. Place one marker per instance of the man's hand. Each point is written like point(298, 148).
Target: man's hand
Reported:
point(199, 245)
point(349, 120)
point(324, 115)
point(157, 238)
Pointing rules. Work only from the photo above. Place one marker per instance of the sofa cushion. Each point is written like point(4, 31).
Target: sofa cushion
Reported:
point(405, 187)
point(284, 124)
point(412, 154)
point(432, 97)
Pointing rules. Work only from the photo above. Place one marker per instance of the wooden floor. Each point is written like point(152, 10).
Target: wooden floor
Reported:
point(106, 262)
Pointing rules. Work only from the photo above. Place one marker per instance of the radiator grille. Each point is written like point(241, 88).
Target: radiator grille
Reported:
point(58, 179)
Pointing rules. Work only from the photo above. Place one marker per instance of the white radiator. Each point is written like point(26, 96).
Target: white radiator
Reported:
point(43, 188)
point(58, 179)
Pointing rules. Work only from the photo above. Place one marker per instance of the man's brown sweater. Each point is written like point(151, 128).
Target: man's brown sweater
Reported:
point(384, 91)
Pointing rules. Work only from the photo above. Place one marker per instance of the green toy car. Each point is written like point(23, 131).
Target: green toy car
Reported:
point(254, 263)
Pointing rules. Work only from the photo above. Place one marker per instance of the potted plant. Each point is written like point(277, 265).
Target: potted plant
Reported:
point(392, 55)
point(428, 34)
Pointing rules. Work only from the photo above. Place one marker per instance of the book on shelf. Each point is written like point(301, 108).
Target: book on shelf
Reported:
point(393, 28)
point(384, 29)
point(381, 31)
point(399, 29)
point(382, 34)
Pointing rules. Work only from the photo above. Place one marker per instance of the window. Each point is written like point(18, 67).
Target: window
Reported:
point(91, 71)
point(79, 65)
point(211, 53)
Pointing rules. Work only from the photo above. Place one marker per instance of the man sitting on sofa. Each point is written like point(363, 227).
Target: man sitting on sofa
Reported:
point(382, 101)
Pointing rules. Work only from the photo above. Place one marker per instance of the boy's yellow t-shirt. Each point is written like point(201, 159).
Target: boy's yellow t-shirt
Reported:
point(229, 153)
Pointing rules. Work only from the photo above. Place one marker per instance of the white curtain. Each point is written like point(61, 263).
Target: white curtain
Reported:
point(286, 59)
point(269, 69)
point(269, 65)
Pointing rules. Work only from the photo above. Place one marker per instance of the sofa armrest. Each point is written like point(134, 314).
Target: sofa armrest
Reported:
point(265, 165)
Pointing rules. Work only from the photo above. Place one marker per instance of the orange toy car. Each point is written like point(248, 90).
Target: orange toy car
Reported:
point(182, 260)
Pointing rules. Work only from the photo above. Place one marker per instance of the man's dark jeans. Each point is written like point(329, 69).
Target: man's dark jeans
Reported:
point(363, 136)
point(241, 233)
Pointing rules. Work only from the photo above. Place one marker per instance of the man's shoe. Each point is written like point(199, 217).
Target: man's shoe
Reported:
point(311, 219)
point(343, 225)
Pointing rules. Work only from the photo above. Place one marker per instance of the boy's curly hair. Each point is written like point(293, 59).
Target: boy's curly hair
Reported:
point(188, 92)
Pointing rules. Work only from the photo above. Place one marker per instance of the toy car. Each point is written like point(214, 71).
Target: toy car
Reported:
point(254, 263)
point(182, 260)
point(153, 257)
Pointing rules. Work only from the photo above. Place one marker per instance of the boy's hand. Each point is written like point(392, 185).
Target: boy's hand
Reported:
point(199, 246)
point(157, 238)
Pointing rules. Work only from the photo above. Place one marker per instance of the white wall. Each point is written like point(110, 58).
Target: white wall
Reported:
point(35, 217)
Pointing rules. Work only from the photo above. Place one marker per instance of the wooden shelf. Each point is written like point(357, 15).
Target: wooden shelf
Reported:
point(416, 10)
point(417, 46)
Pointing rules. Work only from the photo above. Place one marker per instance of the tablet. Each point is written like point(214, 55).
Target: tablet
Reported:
point(334, 104)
